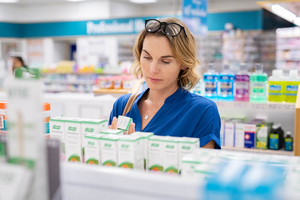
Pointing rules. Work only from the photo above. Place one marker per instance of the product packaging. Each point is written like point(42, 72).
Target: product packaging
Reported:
point(155, 150)
point(242, 84)
point(258, 85)
point(109, 150)
point(239, 138)
point(92, 146)
point(229, 134)
point(130, 152)
point(73, 140)
point(291, 84)
point(187, 146)
point(123, 123)
point(111, 131)
point(3, 122)
point(210, 80)
point(145, 136)
point(226, 83)
point(262, 135)
point(57, 131)
point(170, 154)
point(276, 82)
point(250, 135)
point(189, 162)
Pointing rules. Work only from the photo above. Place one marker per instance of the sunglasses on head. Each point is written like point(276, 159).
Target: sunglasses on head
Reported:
point(170, 29)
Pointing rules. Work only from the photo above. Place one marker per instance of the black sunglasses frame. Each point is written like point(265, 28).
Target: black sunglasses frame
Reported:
point(166, 24)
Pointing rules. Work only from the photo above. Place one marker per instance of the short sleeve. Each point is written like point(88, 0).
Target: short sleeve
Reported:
point(208, 128)
point(118, 107)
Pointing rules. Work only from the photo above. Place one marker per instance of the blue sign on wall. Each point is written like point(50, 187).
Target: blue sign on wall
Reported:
point(194, 14)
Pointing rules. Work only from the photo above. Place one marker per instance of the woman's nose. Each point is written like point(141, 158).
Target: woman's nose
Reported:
point(154, 68)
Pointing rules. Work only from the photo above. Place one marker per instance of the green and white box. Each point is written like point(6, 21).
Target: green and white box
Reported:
point(123, 123)
point(206, 152)
point(187, 146)
point(111, 131)
point(189, 162)
point(204, 171)
point(73, 140)
point(57, 131)
point(92, 146)
point(109, 150)
point(170, 154)
point(130, 152)
point(93, 126)
point(146, 136)
point(155, 150)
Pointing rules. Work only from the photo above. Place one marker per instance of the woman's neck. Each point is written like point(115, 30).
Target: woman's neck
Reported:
point(158, 97)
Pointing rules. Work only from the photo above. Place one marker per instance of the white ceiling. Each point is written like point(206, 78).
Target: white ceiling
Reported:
point(26, 2)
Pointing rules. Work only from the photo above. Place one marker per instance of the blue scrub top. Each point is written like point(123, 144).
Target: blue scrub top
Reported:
point(182, 115)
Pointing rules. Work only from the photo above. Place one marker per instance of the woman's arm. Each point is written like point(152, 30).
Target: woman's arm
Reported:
point(210, 145)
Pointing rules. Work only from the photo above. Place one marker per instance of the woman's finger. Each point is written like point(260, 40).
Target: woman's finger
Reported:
point(114, 123)
point(131, 128)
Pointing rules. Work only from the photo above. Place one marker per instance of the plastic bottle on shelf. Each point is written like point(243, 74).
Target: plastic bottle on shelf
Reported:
point(276, 137)
point(258, 85)
point(226, 83)
point(288, 141)
point(210, 79)
point(242, 84)
point(291, 87)
point(276, 82)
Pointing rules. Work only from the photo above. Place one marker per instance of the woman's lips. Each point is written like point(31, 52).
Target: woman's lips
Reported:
point(154, 80)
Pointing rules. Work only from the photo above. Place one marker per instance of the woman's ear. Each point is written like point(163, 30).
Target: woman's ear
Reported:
point(183, 67)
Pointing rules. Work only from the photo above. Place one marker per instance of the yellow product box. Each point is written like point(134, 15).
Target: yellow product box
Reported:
point(146, 136)
point(92, 146)
point(130, 152)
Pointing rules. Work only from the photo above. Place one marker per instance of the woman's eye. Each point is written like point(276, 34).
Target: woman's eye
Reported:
point(148, 58)
point(166, 62)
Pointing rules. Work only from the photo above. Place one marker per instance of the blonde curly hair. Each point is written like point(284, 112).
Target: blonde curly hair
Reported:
point(184, 49)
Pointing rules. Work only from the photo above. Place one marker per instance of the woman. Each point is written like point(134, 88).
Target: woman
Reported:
point(165, 53)
point(18, 62)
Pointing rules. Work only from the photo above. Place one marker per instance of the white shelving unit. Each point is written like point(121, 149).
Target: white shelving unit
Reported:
point(288, 48)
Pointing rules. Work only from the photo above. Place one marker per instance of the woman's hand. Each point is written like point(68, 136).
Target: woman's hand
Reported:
point(113, 125)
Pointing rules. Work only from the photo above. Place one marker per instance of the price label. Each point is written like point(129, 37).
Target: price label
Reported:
point(240, 105)
point(273, 107)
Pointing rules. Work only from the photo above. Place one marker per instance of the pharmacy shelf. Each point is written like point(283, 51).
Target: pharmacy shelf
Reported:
point(267, 151)
point(257, 106)
point(115, 91)
point(82, 73)
point(69, 82)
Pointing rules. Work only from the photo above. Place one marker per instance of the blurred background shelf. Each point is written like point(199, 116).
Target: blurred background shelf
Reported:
point(267, 151)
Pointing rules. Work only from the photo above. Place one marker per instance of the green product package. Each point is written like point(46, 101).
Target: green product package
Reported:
point(262, 135)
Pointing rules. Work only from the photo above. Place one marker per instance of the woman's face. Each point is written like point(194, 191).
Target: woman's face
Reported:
point(159, 66)
point(16, 63)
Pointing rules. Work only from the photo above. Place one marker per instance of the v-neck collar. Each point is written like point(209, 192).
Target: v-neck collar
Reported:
point(138, 121)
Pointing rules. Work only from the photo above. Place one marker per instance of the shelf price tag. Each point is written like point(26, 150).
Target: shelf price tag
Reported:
point(273, 106)
point(240, 105)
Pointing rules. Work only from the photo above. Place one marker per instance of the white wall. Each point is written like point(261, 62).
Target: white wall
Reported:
point(9, 13)
point(66, 11)
point(231, 5)
point(122, 10)
point(60, 51)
